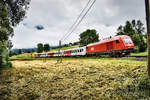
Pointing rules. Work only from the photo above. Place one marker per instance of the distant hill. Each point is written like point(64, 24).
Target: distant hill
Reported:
point(24, 50)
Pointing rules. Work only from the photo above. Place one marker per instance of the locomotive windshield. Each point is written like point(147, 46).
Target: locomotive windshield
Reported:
point(127, 40)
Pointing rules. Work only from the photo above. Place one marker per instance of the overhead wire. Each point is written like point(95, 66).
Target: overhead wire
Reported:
point(79, 21)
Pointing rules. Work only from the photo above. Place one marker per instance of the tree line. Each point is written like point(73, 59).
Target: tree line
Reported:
point(41, 47)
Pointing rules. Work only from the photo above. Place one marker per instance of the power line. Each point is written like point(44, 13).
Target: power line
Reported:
point(77, 19)
point(80, 20)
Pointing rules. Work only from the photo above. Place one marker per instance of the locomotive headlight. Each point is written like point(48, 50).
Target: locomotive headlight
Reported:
point(92, 49)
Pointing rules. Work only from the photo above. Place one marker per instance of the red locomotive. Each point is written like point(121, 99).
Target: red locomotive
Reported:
point(117, 46)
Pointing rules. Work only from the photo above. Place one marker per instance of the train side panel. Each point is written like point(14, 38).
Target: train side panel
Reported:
point(96, 48)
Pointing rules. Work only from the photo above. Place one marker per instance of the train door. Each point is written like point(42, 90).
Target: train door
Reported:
point(118, 44)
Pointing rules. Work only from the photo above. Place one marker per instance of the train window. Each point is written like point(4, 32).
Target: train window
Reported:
point(127, 40)
point(117, 41)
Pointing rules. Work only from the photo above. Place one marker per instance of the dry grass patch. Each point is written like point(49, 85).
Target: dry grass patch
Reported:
point(72, 79)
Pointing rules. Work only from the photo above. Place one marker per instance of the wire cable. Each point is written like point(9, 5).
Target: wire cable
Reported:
point(76, 19)
point(79, 21)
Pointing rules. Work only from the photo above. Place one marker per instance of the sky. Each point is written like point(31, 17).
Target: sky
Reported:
point(47, 21)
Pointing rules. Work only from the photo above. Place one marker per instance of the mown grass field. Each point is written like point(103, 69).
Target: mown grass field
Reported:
point(23, 56)
point(75, 78)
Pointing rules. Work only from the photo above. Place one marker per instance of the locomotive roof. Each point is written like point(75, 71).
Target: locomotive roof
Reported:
point(108, 40)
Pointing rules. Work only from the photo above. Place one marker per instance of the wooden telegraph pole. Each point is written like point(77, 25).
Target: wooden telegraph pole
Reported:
point(59, 58)
point(147, 6)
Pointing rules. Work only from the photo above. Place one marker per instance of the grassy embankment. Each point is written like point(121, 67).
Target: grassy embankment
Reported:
point(101, 79)
point(139, 54)
point(22, 56)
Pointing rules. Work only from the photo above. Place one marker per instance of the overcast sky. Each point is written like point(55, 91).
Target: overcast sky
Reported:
point(48, 20)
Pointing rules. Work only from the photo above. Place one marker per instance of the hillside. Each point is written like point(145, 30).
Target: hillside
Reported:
point(65, 48)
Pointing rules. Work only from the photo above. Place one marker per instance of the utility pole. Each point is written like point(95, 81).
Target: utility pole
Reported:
point(60, 56)
point(147, 7)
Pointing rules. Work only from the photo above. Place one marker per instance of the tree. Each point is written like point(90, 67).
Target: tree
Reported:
point(46, 47)
point(11, 13)
point(12, 53)
point(9, 44)
point(19, 51)
point(88, 36)
point(134, 29)
point(147, 9)
point(40, 47)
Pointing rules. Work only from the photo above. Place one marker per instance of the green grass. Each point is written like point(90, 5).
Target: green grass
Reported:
point(139, 54)
point(22, 56)
point(65, 48)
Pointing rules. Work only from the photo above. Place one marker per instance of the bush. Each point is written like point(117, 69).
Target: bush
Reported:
point(9, 64)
